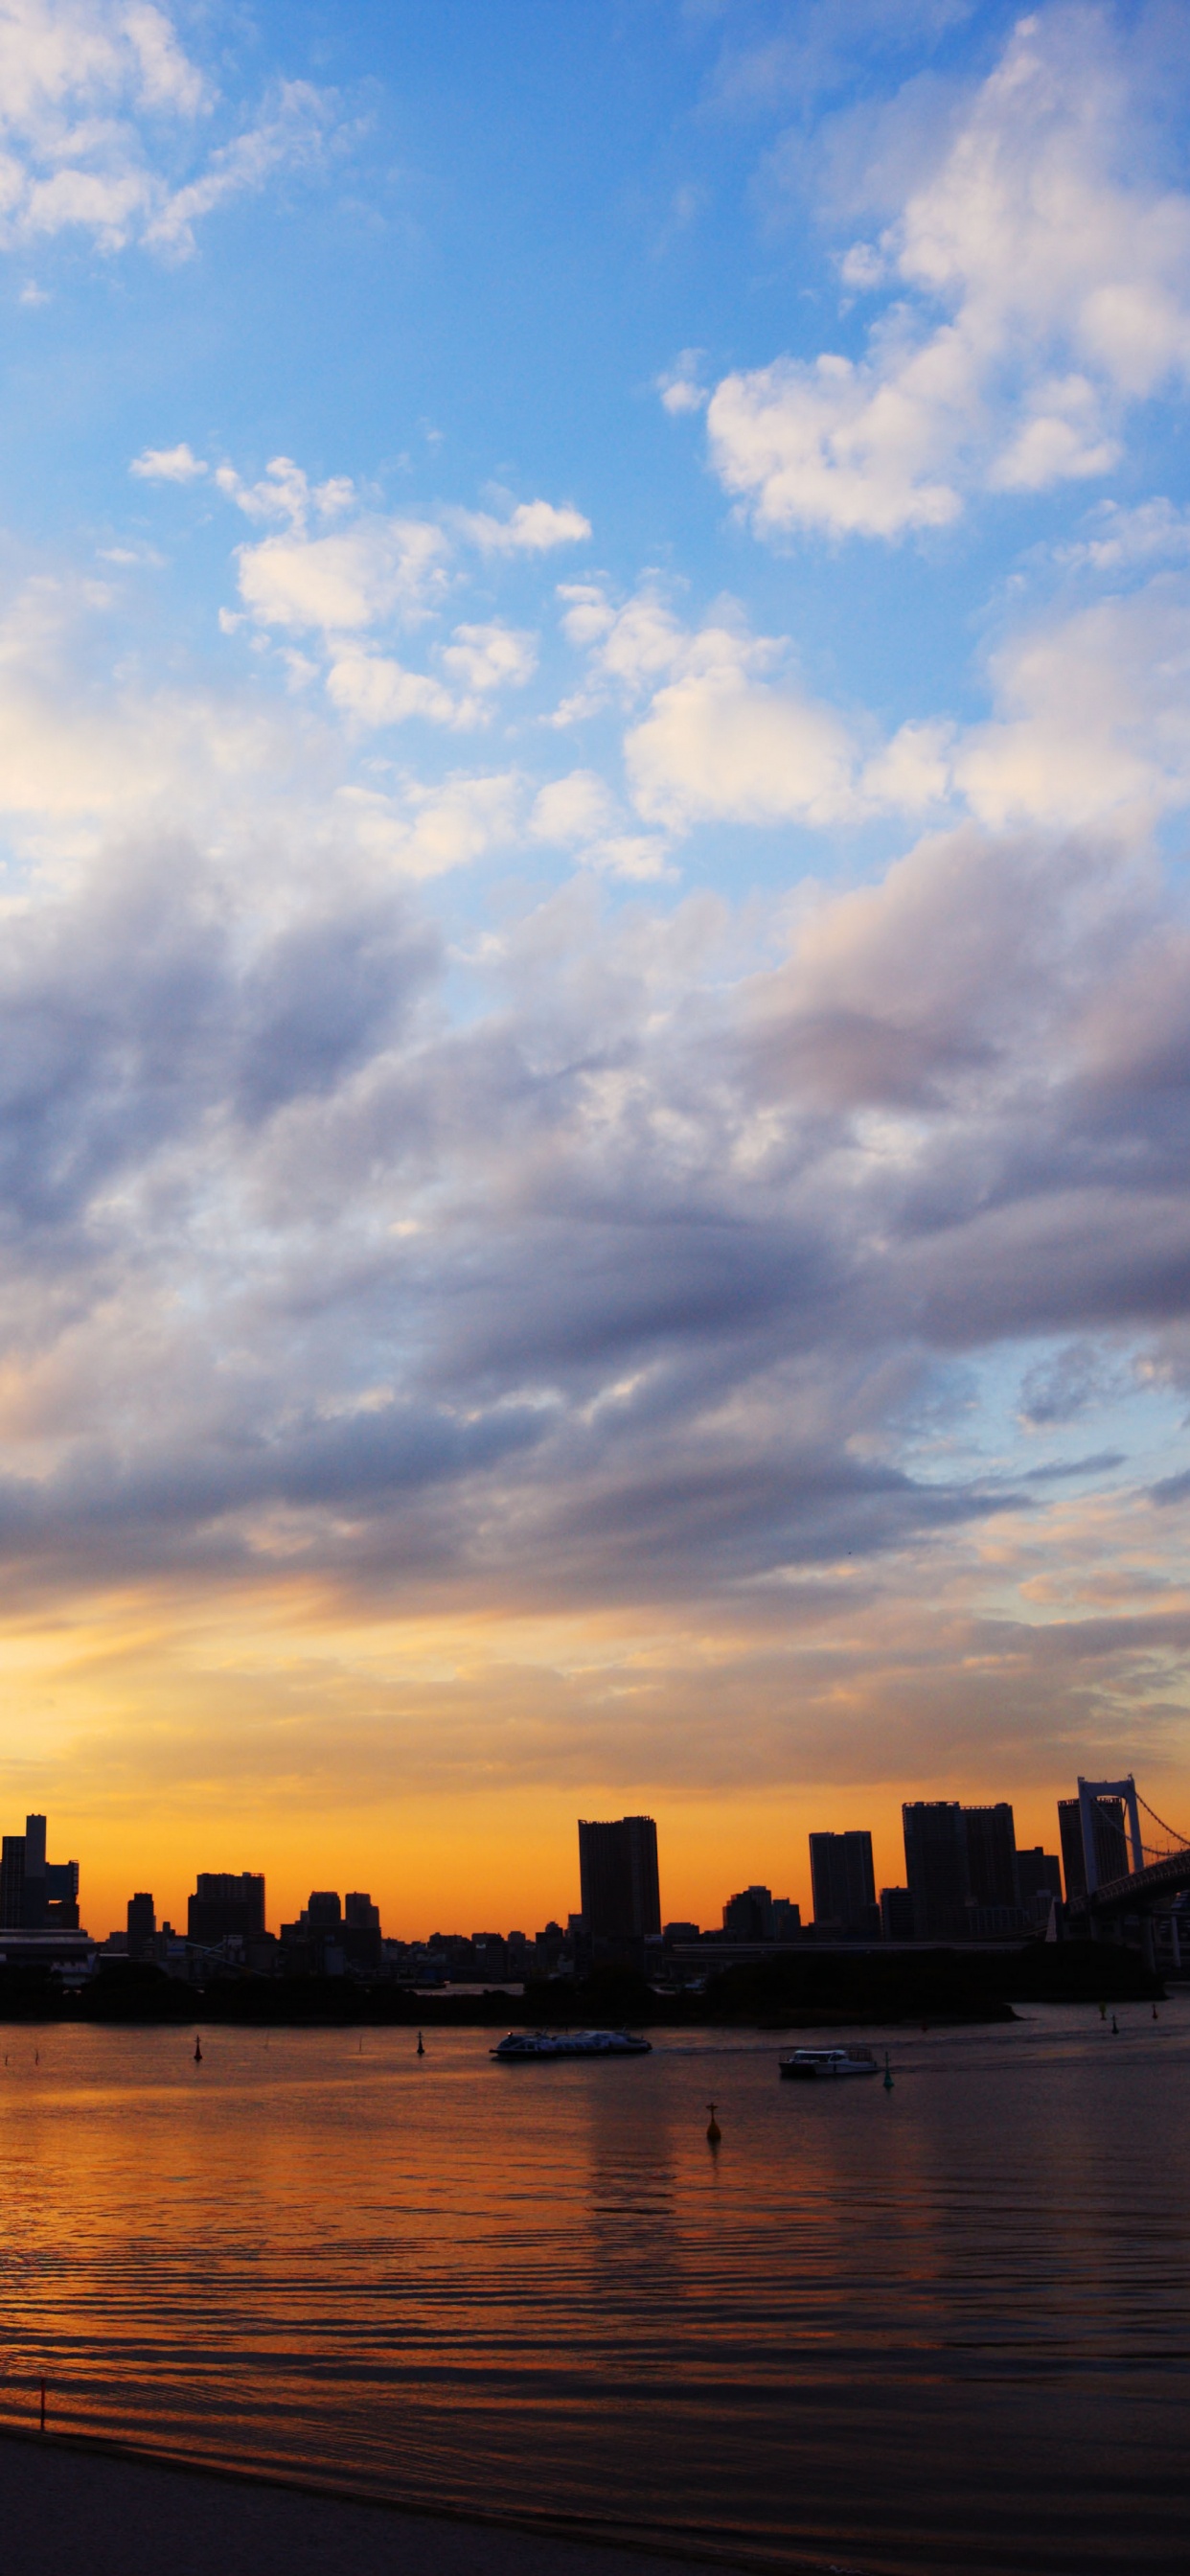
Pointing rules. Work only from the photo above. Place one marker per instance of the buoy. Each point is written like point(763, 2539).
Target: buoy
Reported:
point(1103, 2012)
point(714, 2132)
point(421, 2045)
point(1115, 2025)
point(888, 2082)
point(1155, 2013)
point(197, 2050)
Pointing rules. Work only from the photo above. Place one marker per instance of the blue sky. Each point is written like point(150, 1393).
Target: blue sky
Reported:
point(593, 710)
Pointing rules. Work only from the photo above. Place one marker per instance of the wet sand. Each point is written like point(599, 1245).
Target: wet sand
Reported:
point(99, 2511)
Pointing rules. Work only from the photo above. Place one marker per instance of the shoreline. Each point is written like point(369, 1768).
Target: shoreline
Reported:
point(195, 2514)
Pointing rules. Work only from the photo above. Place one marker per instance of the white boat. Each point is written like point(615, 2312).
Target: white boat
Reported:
point(807, 2064)
point(526, 2044)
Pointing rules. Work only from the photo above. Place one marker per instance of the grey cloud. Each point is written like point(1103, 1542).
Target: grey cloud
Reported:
point(630, 1285)
point(1102, 1463)
point(126, 1016)
point(1058, 1389)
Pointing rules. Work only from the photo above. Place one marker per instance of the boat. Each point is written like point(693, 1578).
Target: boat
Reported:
point(522, 2045)
point(808, 2064)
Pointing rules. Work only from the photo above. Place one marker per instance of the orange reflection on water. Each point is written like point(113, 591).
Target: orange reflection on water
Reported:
point(538, 2290)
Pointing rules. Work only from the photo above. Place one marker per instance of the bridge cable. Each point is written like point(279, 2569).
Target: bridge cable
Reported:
point(1182, 1839)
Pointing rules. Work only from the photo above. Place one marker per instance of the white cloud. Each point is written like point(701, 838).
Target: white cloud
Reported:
point(912, 772)
point(640, 858)
point(679, 388)
point(533, 528)
point(292, 138)
point(1065, 288)
point(1060, 442)
point(1119, 537)
point(572, 809)
point(720, 742)
point(285, 492)
point(168, 79)
point(96, 99)
point(1094, 717)
point(580, 812)
point(842, 446)
point(429, 830)
point(77, 761)
point(378, 691)
point(168, 465)
point(379, 568)
point(484, 658)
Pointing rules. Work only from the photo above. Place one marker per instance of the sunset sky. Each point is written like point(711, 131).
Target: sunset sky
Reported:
point(595, 754)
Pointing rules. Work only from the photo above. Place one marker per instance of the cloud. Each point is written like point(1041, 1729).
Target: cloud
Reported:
point(1119, 538)
point(1092, 719)
point(1068, 1382)
point(95, 101)
point(679, 388)
point(425, 831)
point(1063, 277)
point(488, 657)
point(726, 734)
point(576, 808)
point(377, 569)
point(721, 742)
point(534, 527)
point(168, 465)
point(633, 1287)
point(379, 691)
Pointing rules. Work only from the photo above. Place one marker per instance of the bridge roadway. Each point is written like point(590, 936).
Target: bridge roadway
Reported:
point(1142, 1888)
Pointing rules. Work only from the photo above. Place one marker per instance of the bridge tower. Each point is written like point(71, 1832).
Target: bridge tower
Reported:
point(1089, 1791)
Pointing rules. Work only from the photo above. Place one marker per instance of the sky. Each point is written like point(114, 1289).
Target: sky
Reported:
point(594, 764)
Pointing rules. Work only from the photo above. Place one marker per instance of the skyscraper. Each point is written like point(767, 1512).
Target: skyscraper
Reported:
point(224, 1905)
point(936, 1868)
point(991, 1855)
point(621, 1898)
point(36, 1895)
point(844, 1883)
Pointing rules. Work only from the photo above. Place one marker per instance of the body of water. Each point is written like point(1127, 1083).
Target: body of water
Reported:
point(946, 2326)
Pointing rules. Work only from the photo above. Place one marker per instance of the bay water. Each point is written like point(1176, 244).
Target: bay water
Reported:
point(945, 2326)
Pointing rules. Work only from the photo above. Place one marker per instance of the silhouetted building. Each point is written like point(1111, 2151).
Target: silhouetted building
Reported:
point(621, 1900)
point(844, 1884)
point(225, 1907)
point(550, 1950)
point(142, 1926)
point(324, 1912)
point(896, 1914)
point(936, 1868)
point(361, 1931)
point(748, 1916)
point(1039, 1877)
point(991, 1856)
point(1111, 1844)
point(36, 1895)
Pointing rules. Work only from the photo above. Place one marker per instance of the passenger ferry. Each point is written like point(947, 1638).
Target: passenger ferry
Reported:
point(808, 2063)
point(522, 2045)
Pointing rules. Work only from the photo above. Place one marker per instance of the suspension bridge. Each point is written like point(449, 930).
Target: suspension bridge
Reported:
point(1110, 1898)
